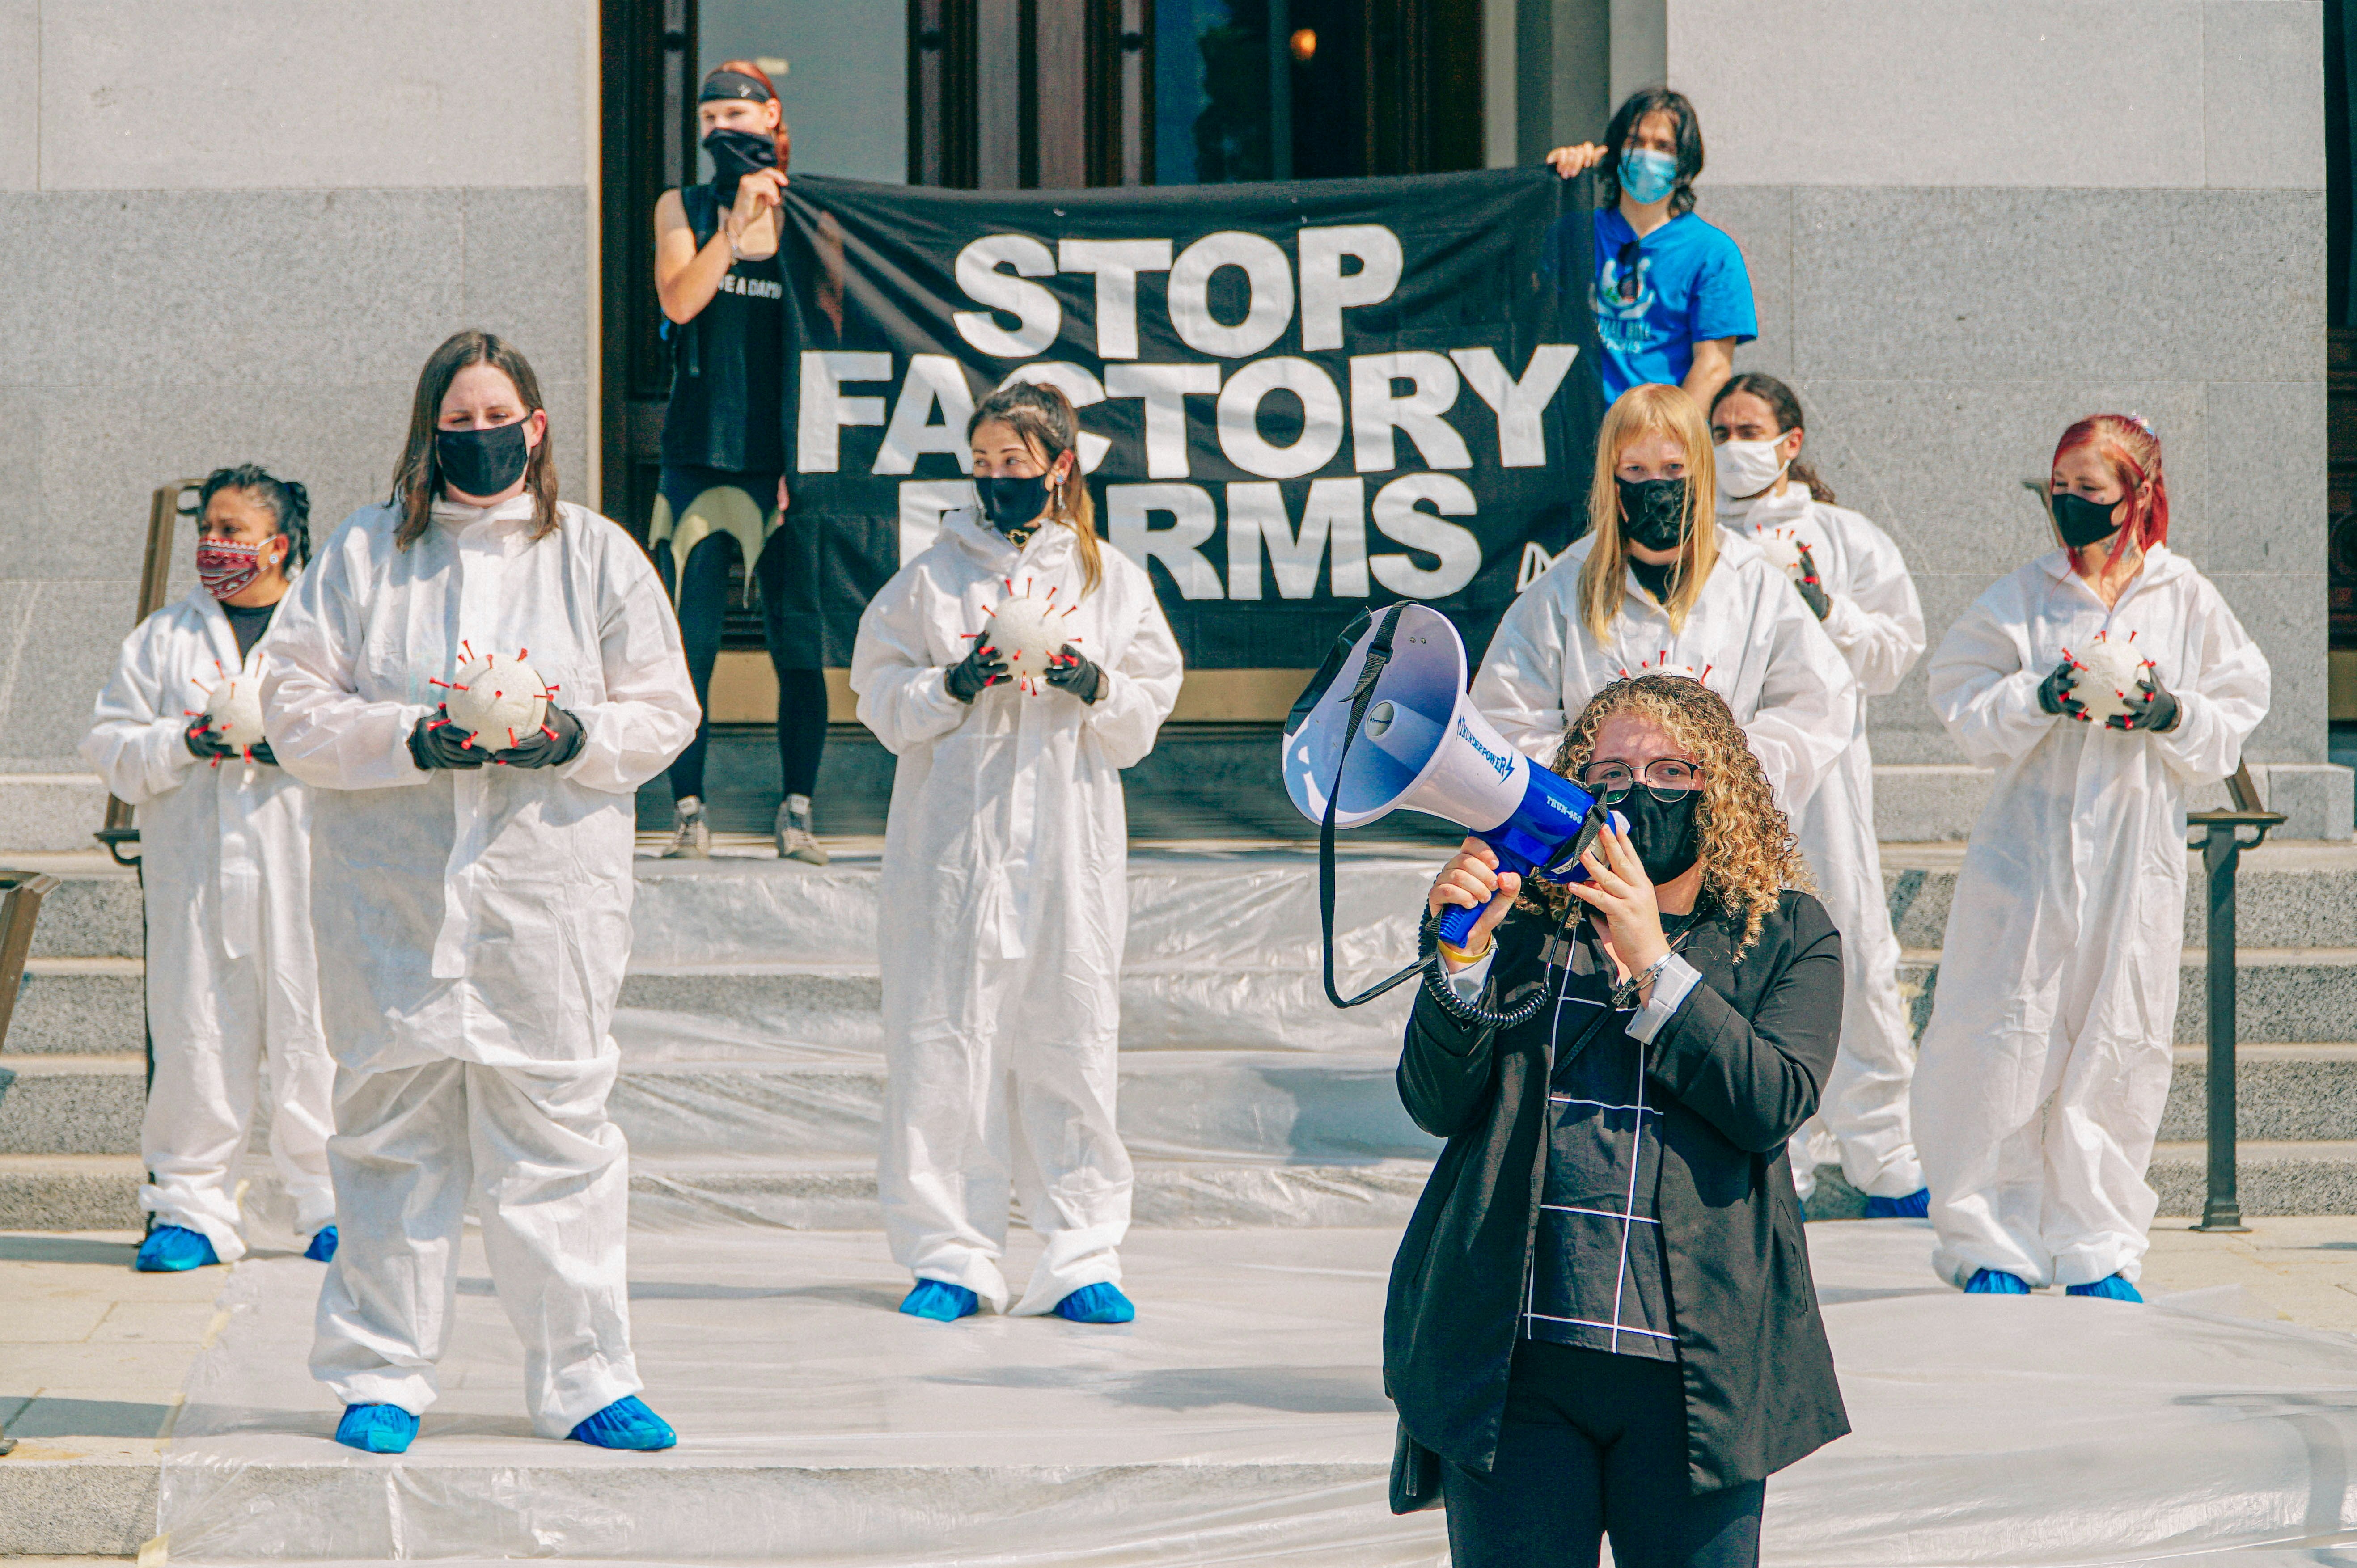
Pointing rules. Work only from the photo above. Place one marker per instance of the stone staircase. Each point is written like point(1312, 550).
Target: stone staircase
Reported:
point(752, 1081)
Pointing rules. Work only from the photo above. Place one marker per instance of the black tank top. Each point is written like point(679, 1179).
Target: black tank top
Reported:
point(729, 363)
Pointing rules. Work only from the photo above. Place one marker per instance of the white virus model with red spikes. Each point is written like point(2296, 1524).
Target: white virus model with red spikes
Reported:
point(234, 706)
point(2109, 672)
point(1660, 665)
point(1782, 546)
point(497, 702)
point(1028, 631)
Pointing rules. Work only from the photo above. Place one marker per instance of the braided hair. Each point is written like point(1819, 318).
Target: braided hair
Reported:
point(288, 501)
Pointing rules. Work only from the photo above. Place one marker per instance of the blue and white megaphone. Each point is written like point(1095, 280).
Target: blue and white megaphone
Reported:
point(1419, 742)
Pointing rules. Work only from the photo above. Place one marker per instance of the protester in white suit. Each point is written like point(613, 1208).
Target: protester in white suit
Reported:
point(1004, 902)
point(225, 846)
point(1656, 585)
point(473, 903)
point(1854, 580)
point(2045, 1064)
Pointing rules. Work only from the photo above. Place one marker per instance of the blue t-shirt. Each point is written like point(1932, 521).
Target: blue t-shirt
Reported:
point(1691, 286)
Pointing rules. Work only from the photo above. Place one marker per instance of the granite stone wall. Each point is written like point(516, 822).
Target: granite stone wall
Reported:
point(232, 230)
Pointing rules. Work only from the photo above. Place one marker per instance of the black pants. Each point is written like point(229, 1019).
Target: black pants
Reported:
point(787, 630)
point(1595, 1445)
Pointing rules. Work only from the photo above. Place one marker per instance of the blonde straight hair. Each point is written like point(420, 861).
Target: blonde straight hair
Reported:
point(1042, 416)
point(1640, 411)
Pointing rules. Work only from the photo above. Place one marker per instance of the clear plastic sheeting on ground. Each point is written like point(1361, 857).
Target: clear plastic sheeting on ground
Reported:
point(1240, 1420)
point(1223, 952)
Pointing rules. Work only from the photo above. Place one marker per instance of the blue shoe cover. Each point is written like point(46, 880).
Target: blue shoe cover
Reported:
point(1096, 1303)
point(1916, 1205)
point(941, 1301)
point(322, 1249)
point(1995, 1282)
point(172, 1248)
point(2116, 1288)
point(626, 1423)
point(377, 1428)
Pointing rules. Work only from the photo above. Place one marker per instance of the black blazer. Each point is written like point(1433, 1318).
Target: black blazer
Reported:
point(1737, 1068)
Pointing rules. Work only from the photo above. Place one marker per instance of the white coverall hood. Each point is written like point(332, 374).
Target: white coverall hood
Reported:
point(473, 929)
point(232, 980)
point(1877, 622)
point(1005, 904)
point(2046, 1063)
point(1788, 685)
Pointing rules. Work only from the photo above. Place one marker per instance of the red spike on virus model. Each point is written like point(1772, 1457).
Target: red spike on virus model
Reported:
point(496, 703)
point(234, 706)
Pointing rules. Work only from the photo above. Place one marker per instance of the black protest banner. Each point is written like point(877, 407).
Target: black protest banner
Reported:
point(1299, 398)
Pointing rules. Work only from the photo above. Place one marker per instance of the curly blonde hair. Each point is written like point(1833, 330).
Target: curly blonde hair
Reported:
point(1749, 853)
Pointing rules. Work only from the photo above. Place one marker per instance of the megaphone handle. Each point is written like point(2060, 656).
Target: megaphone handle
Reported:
point(1457, 924)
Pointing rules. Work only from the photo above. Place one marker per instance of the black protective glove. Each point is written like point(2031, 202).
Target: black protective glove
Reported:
point(2054, 692)
point(1813, 593)
point(2151, 707)
point(983, 666)
point(556, 742)
point(202, 742)
point(439, 743)
point(259, 752)
point(1073, 671)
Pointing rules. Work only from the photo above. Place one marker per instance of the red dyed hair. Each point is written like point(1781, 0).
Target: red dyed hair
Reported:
point(785, 138)
point(2126, 443)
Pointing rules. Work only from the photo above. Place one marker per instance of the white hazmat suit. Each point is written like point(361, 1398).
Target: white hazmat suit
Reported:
point(1004, 903)
point(1877, 622)
point(226, 865)
point(1748, 636)
point(473, 927)
point(2045, 1064)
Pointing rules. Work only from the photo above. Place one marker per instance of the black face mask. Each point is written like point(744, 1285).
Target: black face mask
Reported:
point(735, 154)
point(1012, 503)
point(2082, 522)
point(482, 462)
point(1653, 511)
point(1663, 832)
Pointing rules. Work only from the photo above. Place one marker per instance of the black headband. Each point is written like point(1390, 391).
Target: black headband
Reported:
point(734, 84)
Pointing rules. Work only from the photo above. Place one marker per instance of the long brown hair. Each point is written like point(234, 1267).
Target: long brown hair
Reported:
point(1639, 411)
point(417, 479)
point(1786, 405)
point(1042, 416)
point(1749, 855)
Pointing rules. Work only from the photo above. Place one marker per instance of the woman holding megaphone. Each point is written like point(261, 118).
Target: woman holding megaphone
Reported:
point(1657, 584)
point(1601, 1321)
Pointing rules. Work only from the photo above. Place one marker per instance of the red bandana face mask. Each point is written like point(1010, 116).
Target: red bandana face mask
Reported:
point(227, 568)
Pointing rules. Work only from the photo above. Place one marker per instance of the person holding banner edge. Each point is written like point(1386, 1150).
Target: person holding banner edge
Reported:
point(1855, 583)
point(1670, 293)
point(1005, 899)
point(722, 286)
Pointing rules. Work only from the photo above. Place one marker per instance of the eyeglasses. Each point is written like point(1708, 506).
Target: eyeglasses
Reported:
point(1666, 778)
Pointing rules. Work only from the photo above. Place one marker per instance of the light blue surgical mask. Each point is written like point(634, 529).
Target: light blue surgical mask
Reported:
point(1647, 176)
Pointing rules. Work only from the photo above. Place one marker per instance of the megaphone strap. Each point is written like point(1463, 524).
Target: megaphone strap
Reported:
point(1379, 654)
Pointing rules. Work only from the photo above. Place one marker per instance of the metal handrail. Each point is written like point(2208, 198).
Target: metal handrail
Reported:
point(2220, 839)
point(20, 907)
point(166, 508)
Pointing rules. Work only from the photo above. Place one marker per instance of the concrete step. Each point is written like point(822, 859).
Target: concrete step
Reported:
point(2282, 1094)
point(1170, 1195)
point(60, 1104)
point(2287, 895)
point(80, 1006)
point(69, 1192)
point(2282, 996)
point(2317, 1177)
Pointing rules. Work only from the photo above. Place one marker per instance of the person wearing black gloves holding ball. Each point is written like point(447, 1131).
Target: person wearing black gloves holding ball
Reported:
point(1601, 1320)
point(1004, 901)
point(2045, 1067)
point(473, 947)
point(225, 845)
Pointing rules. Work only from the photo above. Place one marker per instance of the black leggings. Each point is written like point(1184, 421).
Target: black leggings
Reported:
point(1595, 1445)
point(802, 692)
